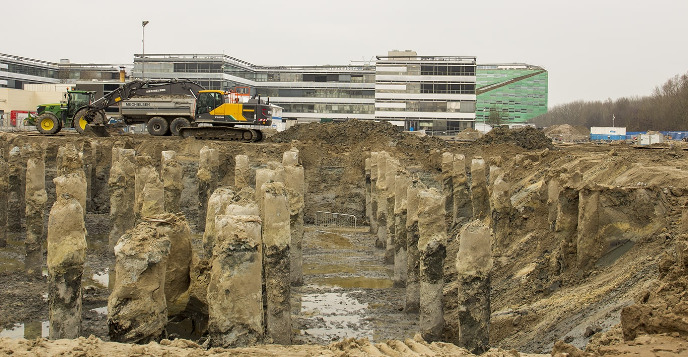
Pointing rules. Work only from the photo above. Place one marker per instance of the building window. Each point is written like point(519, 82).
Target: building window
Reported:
point(447, 88)
point(447, 70)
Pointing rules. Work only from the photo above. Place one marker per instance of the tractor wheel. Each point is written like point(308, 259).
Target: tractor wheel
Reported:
point(48, 123)
point(158, 126)
point(178, 123)
point(79, 122)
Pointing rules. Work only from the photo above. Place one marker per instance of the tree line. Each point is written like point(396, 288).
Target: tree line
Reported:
point(665, 109)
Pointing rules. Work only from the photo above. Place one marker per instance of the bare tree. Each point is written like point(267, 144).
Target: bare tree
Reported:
point(665, 109)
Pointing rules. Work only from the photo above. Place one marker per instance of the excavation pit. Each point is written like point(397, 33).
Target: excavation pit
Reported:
point(578, 274)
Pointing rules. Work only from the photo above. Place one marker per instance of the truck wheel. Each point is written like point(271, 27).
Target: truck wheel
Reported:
point(158, 126)
point(179, 123)
point(79, 122)
point(48, 123)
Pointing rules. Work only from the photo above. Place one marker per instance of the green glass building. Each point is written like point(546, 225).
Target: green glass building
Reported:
point(518, 91)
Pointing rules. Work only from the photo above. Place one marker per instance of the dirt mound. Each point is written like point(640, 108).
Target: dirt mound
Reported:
point(353, 132)
point(566, 129)
point(567, 133)
point(339, 133)
point(527, 138)
point(93, 346)
point(469, 134)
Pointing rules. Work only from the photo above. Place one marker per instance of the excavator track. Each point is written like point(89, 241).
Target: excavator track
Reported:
point(222, 133)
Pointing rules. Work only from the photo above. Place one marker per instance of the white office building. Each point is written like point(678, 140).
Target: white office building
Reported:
point(435, 93)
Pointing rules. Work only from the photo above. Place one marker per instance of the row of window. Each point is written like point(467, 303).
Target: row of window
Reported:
point(342, 78)
point(198, 67)
point(463, 106)
point(89, 75)
point(316, 93)
point(448, 88)
point(31, 70)
point(329, 108)
point(441, 125)
point(216, 67)
point(446, 70)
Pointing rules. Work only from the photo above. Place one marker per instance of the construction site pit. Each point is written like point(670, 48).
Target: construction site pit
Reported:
point(577, 248)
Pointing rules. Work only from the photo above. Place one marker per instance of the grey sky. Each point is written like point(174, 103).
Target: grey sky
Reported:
point(593, 50)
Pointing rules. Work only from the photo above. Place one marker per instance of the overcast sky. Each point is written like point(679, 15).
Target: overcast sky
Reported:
point(592, 49)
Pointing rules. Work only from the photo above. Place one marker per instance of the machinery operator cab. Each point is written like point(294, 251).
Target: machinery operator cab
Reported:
point(220, 107)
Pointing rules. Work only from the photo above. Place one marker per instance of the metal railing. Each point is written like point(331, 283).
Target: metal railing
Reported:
point(333, 219)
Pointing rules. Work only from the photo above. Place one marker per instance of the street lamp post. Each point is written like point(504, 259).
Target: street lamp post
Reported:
point(143, 46)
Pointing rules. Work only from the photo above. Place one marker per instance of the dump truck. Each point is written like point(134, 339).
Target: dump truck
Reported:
point(180, 107)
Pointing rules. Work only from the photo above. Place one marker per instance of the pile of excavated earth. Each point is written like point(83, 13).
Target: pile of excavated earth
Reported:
point(503, 246)
point(567, 133)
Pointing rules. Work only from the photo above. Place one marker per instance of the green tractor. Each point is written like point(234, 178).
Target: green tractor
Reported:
point(51, 118)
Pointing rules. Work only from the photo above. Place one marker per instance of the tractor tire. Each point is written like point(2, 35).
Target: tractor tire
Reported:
point(79, 123)
point(48, 123)
point(158, 126)
point(178, 123)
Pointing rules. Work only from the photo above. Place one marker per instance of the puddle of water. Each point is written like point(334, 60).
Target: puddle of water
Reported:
point(318, 268)
point(337, 316)
point(29, 330)
point(355, 282)
point(102, 278)
point(312, 269)
point(101, 310)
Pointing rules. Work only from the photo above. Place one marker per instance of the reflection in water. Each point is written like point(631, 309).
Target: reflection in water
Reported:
point(102, 278)
point(353, 282)
point(101, 310)
point(30, 330)
point(342, 315)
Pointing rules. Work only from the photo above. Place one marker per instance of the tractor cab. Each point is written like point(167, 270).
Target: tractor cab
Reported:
point(77, 99)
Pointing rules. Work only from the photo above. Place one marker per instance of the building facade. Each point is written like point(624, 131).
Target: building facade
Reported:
point(435, 93)
point(15, 71)
point(418, 92)
point(306, 93)
point(518, 92)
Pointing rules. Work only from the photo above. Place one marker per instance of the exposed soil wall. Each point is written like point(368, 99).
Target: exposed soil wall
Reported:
point(587, 224)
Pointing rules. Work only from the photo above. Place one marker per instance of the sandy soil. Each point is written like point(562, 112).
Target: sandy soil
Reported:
point(347, 290)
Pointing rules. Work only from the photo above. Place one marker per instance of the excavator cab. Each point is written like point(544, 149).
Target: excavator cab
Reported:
point(207, 102)
point(230, 108)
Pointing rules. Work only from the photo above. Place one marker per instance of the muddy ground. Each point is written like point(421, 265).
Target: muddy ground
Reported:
point(347, 292)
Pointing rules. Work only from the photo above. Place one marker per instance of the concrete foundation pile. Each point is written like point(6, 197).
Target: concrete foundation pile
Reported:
point(35, 199)
point(419, 238)
point(138, 304)
point(66, 258)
